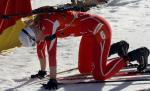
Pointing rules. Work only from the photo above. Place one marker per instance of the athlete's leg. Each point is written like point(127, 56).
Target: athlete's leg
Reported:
point(98, 27)
point(104, 70)
point(86, 54)
point(89, 47)
point(88, 43)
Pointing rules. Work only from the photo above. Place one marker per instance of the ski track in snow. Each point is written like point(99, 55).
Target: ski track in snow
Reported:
point(129, 20)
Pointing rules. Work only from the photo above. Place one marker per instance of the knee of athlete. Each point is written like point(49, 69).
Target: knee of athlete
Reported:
point(100, 78)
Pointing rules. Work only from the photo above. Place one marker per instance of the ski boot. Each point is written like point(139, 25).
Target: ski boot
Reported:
point(141, 55)
point(41, 74)
point(121, 48)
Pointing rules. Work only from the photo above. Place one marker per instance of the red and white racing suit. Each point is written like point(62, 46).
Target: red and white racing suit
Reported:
point(94, 46)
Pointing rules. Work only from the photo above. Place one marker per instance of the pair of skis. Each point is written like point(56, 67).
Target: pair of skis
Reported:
point(126, 67)
point(121, 77)
point(124, 76)
point(128, 74)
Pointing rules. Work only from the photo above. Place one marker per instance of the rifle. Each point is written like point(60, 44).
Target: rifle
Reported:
point(50, 9)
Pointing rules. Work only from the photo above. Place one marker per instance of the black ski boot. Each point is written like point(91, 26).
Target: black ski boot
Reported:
point(41, 74)
point(141, 55)
point(121, 48)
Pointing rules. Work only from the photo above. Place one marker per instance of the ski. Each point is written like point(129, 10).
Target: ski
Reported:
point(133, 76)
point(90, 80)
point(133, 66)
point(77, 78)
point(106, 81)
point(120, 74)
point(67, 71)
point(123, 72)
point(126, 67)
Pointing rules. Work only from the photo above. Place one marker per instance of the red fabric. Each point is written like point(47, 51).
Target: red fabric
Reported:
point(94, 46)
point(12, 7)
point(86, 54)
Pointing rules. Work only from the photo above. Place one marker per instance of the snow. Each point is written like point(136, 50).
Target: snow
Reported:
point(129, 20)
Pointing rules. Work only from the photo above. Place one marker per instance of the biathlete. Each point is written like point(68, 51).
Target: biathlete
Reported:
point(94, 46)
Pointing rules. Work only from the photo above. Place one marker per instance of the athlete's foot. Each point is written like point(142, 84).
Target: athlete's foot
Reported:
point(41, 74)
point(121, 48)
point(141, 56)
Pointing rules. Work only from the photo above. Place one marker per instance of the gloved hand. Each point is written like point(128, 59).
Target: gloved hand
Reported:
point(52, 84)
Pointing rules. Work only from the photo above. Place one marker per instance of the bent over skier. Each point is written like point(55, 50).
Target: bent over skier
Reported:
point(94, 46)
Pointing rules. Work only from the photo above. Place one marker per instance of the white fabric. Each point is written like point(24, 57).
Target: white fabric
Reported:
point(25, 39)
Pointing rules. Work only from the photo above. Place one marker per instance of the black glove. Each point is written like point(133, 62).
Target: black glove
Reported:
point(50, 37)
point(5, 16)
point(52, 84)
